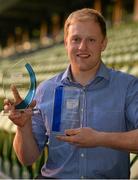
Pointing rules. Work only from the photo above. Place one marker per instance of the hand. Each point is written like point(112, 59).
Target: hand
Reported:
point(82, 137)
point(20, 118)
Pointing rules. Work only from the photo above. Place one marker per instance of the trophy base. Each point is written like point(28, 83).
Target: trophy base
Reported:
point(33, 112)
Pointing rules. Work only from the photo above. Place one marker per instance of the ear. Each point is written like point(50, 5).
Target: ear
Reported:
point(65, 42)
point(104, 43)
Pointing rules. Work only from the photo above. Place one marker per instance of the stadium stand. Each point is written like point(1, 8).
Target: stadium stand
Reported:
point(121, 54)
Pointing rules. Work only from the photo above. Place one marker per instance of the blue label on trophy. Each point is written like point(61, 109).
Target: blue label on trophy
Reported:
point(57, 109)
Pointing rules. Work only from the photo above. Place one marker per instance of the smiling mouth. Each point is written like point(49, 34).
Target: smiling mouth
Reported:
point(83, 55)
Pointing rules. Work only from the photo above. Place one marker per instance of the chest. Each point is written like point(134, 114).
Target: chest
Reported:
point(78, 107)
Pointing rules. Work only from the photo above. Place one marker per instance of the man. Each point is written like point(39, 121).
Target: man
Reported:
point(89, 113)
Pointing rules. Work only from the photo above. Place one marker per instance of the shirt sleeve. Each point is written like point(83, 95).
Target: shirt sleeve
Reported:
point(39, 131)
point(38, 126)
point(132, 105)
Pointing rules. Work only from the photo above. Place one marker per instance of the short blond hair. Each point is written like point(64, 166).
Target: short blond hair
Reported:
point(85, 14)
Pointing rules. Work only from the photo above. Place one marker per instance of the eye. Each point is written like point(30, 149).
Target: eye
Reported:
point(76, 39)
point(91, 40)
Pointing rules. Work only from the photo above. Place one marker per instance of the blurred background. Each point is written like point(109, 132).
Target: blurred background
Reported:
point(33, 30)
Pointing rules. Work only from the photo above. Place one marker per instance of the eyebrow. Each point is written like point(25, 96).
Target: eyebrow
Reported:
point(77, 35)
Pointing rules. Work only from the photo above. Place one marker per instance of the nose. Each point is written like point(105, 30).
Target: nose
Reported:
point(83, 45)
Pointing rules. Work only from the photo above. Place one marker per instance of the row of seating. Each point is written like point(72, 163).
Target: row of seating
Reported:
point(9, 164)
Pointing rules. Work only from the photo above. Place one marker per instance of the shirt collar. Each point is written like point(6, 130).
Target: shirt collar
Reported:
point(102, 72)
point(67, 75)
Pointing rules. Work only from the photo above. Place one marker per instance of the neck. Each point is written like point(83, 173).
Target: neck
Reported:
point(84, 77)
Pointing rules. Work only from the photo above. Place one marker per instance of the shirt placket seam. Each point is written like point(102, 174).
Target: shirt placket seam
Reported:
point(82, 152)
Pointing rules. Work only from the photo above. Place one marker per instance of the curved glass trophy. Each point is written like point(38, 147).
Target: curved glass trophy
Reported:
point(22, 76)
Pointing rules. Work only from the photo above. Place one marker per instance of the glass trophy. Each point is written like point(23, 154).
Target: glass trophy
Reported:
point(66, 114)
point(22, 76)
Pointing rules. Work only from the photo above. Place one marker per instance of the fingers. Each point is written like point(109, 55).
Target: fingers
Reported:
point(14, 115)
point(18, 98)
point(7, 101)
point(19, 118)
point(33, 104)
point(8, 105)
point(65, 138)
point(70, 136)
point(71, 132)
point(16, 94)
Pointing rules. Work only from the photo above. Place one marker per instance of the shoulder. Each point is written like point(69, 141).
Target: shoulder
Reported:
point(47, 87)
point(123, 77)
point(50, 82)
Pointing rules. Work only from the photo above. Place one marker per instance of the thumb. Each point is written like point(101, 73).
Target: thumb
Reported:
point(16, 94)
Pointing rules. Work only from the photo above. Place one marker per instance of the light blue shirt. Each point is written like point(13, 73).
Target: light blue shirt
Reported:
point(108, 103)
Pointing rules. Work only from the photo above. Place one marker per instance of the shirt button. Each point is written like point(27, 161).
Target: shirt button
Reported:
point(82, 155)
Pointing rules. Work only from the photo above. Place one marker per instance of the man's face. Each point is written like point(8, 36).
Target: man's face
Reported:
point(84, 45)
